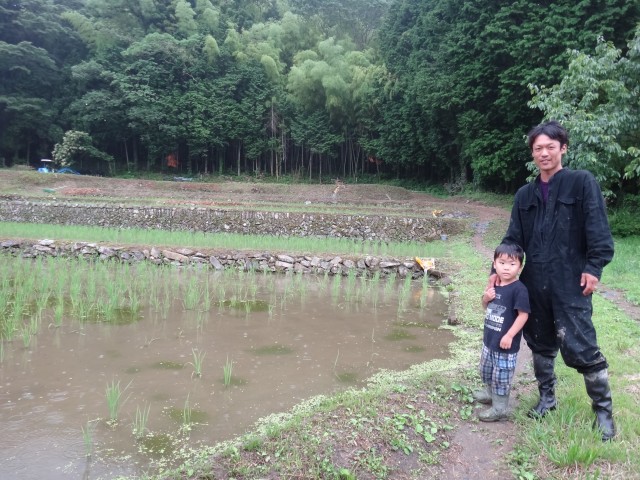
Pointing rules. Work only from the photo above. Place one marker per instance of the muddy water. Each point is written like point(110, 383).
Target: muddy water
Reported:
point(287, 338)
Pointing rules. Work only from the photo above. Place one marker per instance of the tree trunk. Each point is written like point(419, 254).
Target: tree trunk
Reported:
point(126, 155)
point(239, 146)
point(134, 145)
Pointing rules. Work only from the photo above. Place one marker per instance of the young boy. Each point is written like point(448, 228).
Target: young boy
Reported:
point(507, 310)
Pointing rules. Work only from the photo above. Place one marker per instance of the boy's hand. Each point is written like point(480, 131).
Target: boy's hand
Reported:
point(505, 342)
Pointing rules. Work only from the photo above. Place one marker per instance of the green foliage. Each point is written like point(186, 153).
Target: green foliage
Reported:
point(433, 92)
point(462, 72)
point(210, 49)
point(598, 100)
point(77, 149)
point(624, 220)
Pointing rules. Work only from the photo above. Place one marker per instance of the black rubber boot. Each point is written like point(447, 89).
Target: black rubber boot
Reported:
point(597, 384)
point(543, 370)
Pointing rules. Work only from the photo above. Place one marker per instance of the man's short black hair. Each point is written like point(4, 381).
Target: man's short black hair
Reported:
point(551, 129)
point(511, 250)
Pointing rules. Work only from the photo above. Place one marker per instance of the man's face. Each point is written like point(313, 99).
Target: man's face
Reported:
point(547, 155)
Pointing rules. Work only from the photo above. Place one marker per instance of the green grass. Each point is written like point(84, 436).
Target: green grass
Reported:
point(221, 240)
point(623, 271)
point(564, 445)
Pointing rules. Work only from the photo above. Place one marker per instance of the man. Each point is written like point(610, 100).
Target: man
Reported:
point(560, 220)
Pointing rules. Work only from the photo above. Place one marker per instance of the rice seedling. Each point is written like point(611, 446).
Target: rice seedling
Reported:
point(191, 297)
point(336, 288)
point(58, 312)
point(155, 299)
point(198, 358)
point(42, 300)
point(34, 323)
point(186, 415)
point(227, 370)
point(166, 305)
point(75, 291)
point(206, 297)
point(140, 421)
point(114, 399)
point(390, 284)
point(87, 438)
point(351, 283)
point(224, 241)
point(10, 326)
point(200, 318)
point(91, 288)
point(221, 292)
point(134, 301)
point(26, 336)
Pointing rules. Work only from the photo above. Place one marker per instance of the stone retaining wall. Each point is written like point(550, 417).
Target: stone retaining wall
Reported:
point(259, 261)
point(362, 227)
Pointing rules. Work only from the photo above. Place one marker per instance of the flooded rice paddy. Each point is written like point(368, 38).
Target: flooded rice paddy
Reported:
point(107, 369)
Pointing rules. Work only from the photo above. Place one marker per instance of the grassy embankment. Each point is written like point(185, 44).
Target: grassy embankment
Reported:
point(563, 445)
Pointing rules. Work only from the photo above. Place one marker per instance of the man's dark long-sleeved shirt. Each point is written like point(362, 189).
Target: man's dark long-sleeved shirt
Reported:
point(570, 231)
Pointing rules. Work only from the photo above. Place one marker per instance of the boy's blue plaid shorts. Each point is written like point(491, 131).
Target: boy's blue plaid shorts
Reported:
point(497, 370)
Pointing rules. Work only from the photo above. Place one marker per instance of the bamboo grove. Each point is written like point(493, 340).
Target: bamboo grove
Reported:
point(421, 90)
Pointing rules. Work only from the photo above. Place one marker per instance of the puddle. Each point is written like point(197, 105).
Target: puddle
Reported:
point(286, 338)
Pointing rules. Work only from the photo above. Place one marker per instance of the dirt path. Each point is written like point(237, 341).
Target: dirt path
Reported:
point(479, 451)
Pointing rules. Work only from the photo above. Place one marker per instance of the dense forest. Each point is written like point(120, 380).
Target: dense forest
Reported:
point(438, 91)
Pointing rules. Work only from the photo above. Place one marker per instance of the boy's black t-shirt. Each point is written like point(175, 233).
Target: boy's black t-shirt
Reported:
point(502, 312)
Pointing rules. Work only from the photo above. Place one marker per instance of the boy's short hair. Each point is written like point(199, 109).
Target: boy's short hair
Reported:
point(551, 129)
point(511, 250)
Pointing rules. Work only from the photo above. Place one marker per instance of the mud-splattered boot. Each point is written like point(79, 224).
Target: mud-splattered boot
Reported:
point(483, 395)
point(543, 370)
point(597, 384)
point(499, 410)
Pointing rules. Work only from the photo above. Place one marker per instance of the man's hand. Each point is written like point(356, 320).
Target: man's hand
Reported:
point(589, 284)
point(488, 295)
point(493, 280)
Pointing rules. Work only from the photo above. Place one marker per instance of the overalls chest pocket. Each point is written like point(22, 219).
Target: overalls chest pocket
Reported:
point(567, 213)
point(528, 213)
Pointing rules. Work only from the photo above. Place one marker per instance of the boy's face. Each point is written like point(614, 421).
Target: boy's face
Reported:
point(547, 154)
point(507, 268)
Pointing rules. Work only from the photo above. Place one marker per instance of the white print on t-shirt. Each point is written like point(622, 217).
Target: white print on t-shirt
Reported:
point(494, 317)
